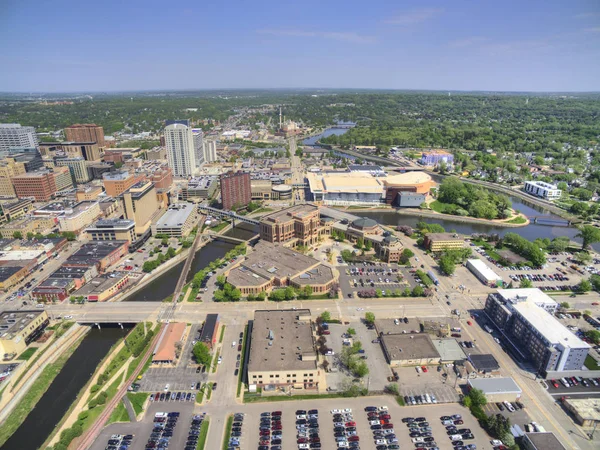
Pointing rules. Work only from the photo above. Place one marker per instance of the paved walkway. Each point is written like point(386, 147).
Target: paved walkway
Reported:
point(129, 408)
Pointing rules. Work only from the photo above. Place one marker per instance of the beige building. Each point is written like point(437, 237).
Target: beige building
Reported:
point(62, 178)
point(90, 151)
point(15, 209)
point(283, 354)
point(80, 216)
point(88, 193)
point(585, 410)
point(409, 350)
point(19, 328)
point(141, 204)
point(103, 287)
point(11, 275)
point(28, 225)
point(261, 189)
point(8, 169)
point(438, 242)
point(78, 168)
point(115, 183)
point(112, 230)
point(178, 221)
point(297, 225)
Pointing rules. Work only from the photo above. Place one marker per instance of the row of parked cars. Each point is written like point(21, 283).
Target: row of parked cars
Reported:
point(235, 434)
point(457, 435)
point(175, 396)
point(194, 432)
point(423, 399)
point(307, 429)
point(575, 381)
point(162, 430)
point(420, 432)
point(538, 277)
point(510, 407)
point(344, 429)
point(119, 442)
point(270, 431)
point(381, 424)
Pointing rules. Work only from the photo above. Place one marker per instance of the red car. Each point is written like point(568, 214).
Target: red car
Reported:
point(265, 433)
point(554, 383)
point(387, 426)
point(385, 416)
point(275, 427)
point(350, 424)
point(424, 368)
point(384, 421)
point(353, 439)
point(326, 332)
point(302, 441)
point(458, 422)
point(469, 322)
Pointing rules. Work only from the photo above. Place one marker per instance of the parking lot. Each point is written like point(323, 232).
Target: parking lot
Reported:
point(432, 413)
point(142, 429)
point(178, 378)
point(415, 383)
point(363, 277)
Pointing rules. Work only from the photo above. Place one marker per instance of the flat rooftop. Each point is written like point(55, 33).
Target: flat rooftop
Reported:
point(101, 283)
point(484, 269)
point(282, 340)
point(270, 260)
point(12, 321)
point(484, 362)
point(112, 224)
point(352, 182)
point(444, 237)
point(409, 346)
point(586, 408)
point(449, 349)
point(407, 178)
point(95, 250)
point(70, 272)
point(545, 441)
point(8, 271)
point(299, 211)
point(321, 274)
point(531, 295)
point(495, 385)
point(176, 215)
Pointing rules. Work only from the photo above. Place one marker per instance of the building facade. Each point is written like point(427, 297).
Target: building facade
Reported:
point(181, 152)
point(299, 224)
point(79, 217)
point(78, 168)
point(435, 157)
point(9, 168)
point(13, 135)
point(39, 185)
point(525, 317)
point(210, 151)
point(115, 183)
point(199, 188)
point(140, 203)
point(18, 329)
point(85, 132)
point(112, 230)
point(62, 178)
point(235, 189)
point(542, 190)
point(438, 242)
point(177, 221)
point(198, 135)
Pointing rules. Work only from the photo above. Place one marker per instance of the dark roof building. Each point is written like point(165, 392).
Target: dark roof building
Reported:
point(209, 330)
point(484, 363)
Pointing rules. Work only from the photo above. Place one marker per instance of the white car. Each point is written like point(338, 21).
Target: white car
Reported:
point(68, 316)
point(374, 422)
point(380, 442)
point(347, 410)
point(220, 360)
point(496, 442)
point(303, 446)
point(233, 344)
point(336, 411)
point(383, 408)
point(300, 416)
point(417, 440)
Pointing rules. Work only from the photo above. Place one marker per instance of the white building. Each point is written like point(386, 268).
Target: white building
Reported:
point(78, 168)
point(181, 153)
point(210, 151)
point(14, 135)
point(199, 147)
point(483, 273)
point(543, 190)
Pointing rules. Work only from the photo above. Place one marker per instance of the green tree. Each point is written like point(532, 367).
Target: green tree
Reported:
point(582, 257)
point(584, 286)
point(565, 305)
point(369, 318)
point(447, 264)
point(418, 291)
point(360, 369)
point(221, 280)
point(360, 243)
point(69, 235)
point(593, 335)
point(30, 235)
point(202, 354)
point(525, 283)
point(406, 255)
point(589, 234)
point(477, 397)
point(18, 235)
point(595, 280)
point(351, 331)
point(368, 245)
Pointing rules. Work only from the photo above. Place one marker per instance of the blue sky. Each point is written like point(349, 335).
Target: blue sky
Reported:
point(108, 45)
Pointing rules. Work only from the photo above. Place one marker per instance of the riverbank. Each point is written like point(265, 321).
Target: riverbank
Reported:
point(435, 215)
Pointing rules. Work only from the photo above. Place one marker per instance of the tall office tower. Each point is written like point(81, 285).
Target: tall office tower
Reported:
point(85, 132)
point(9, 168)
point(180, 149)
point(210, 151)
point(14, 135)
point(235, 189)
point(140, 203)
point(39, 185)
point(198, 146)
point(78, 168)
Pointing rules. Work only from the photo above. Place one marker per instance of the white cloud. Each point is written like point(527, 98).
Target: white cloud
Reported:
point(333, 35)
point(414, 16)
point(467, 42)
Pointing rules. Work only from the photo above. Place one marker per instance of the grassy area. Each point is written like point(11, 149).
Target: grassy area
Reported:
point(28, 353)
point(136, 361)
point(215, 361)
point(517, 220)
point(119, 414)
point(438, 206)
point(222, 334)
point(227, 431)
point(33, 395)
point(262, 210)
point(203, 434)
point(591, 363)
point(241, 373)
point(209, 391)
point(400, 400)
point(219, 227)
point(137, 399)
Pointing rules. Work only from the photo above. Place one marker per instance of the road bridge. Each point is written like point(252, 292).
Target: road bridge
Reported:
point(227, 214)
point(224, 237)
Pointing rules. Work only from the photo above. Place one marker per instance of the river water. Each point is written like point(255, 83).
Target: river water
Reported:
point(64, 389)
point(164, 284)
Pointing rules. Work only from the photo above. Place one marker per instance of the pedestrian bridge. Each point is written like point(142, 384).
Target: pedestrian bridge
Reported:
point(227, 214)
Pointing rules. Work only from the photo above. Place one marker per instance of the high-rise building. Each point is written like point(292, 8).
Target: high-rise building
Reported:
point(9, 168)
point(85, 132)
point(62, 178)
point(14, 135)
point(210, 151)
point(235, 189)
point(140, 203)
point(30, 157)
point(198, 147)
point(77, 166)
point(115, 183)
point(181, 152)
point(39, 185)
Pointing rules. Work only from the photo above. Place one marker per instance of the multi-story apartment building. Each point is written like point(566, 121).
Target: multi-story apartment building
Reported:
point(85, 132)
point(39, 185)
point(435, 157)
point(300, 223)
point(210, 150)
point(13, 135)
point(525, 317)
point(543, 190)
point(140, 203)
point(112, 230)
point(115, 183)
point(77, 166)
point(283, 353)
point(235, 189)
point(9, 168)
point(438, 242)
point(79, 216)
point(62, 178)
point(198, 147)
point(181, 153)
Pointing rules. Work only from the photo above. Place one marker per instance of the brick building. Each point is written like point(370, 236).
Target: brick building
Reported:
point(85, 132)
point(235, 189)
point(39, 185)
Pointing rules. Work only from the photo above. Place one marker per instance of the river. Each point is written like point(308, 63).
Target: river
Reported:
point(64, 389)
point(312, 141)
point(164, 284)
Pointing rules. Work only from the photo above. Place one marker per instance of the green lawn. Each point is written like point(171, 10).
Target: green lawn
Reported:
point(227, 432)
point(33, 395)
point(438, 206)
point(219, 227)
point(28, 353)
point(137, 400)
point(241, 372)
point(203, 434)
point(222, 334)
point(119, 414)
point(591, 363)
point(517, 220)
point(215, 361)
